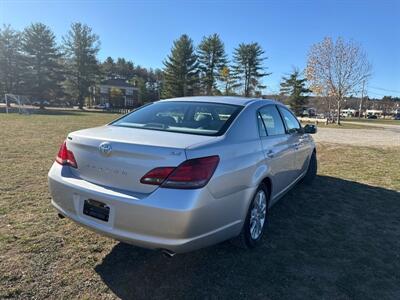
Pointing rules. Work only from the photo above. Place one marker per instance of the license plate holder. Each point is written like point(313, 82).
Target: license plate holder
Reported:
point(96, 209)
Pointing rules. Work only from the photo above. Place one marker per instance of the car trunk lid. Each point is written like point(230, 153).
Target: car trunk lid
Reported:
point(118, 157)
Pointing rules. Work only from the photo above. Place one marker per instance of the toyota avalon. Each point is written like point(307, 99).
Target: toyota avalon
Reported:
point(184, 173)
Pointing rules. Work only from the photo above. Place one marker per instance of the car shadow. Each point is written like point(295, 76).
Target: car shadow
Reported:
point(335, 239)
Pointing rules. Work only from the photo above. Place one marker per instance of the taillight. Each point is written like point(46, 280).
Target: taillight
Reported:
point(157, 175)
point(65, 157)
point(191, 174)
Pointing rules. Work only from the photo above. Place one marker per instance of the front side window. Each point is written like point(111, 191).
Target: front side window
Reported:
point(271, 120)
point(261, 128)
point(291, 122)
point(202, 118)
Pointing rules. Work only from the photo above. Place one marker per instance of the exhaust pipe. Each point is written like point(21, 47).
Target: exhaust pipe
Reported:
point(168, 253)
point(60, 216)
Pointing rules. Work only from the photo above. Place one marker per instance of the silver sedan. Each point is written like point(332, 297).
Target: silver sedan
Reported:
point(185, 173)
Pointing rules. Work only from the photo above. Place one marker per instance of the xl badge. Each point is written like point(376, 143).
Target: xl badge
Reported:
point(105, 148)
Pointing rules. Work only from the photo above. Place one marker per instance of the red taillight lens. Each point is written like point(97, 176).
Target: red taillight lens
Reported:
point(157, 175)
point(191, 174)
point(66, 157)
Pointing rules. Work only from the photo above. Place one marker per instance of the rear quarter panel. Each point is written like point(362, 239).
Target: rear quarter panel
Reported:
point(241, 167)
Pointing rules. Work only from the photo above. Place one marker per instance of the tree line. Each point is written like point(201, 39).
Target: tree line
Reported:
point(33, 63)
point(207, 70)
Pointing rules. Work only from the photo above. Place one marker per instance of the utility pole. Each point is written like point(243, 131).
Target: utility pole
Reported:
point(6, 101)
point(361, 101)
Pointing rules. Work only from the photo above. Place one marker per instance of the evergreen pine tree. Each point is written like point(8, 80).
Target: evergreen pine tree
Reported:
point(124, 68)
point(295, 88)
point(81, 47)
point(11, 60)
point(44, 76)
point(181, 69)
point(212, 59)
point(247, 67)
point(108, 68)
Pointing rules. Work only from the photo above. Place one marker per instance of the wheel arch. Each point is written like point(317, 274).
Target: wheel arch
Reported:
point(268, 182)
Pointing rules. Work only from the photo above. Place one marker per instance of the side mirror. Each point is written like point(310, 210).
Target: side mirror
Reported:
point(310, 129)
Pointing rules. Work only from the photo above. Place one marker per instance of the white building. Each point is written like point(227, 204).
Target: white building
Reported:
point(348, 112)
point(375, 112)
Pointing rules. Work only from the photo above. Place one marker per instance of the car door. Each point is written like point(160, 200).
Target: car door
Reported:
point(298, 140)
point(279, 155)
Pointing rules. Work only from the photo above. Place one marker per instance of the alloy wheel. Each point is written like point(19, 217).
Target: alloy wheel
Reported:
point(258, 215)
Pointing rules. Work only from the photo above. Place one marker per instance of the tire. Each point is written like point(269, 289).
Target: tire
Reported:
point(311, 171)
point(246, 239)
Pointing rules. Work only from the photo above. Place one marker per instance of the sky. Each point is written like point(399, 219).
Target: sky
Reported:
point(143, 31)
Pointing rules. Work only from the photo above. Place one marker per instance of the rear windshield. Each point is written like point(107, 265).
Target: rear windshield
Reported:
point(185, 117)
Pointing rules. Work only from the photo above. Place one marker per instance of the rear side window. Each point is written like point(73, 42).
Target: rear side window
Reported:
point(201, 118)
point(271, 120)
point(291, 122)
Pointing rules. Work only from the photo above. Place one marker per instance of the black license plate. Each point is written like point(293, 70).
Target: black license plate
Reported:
point(96, 209)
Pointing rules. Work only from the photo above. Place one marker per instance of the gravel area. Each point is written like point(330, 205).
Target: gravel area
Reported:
point(387, 137)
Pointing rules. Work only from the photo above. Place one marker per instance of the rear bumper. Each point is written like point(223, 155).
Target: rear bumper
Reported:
point(176, 220)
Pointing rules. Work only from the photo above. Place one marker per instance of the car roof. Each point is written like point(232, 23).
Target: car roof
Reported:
point(223, 99)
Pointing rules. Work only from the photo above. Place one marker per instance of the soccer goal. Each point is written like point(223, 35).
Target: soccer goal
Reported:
point(20, 100)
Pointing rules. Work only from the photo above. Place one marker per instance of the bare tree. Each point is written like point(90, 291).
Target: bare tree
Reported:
point(337, 69)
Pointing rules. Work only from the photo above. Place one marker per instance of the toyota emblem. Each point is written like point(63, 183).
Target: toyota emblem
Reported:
point(105, 148)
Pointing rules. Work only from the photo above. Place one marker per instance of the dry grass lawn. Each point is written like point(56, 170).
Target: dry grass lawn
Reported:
point(338, 239)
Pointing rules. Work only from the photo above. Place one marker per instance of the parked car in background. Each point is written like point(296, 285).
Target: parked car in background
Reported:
point(59, 103)
point(38, 102)
point(372, 117)
point(103, 106)
point(100, 106)
point(184, 173)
